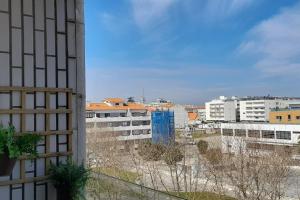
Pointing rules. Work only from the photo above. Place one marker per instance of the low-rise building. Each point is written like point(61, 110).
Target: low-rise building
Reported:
point(262, 136)
point(127, 121)
point(222, 110)
point(285, 116)
point(193, 118)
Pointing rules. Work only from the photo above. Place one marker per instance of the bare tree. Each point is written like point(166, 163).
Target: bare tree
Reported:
point(255, 173)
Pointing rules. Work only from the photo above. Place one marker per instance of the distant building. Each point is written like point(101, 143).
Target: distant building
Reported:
point(222, 110)
point(163, 129)
point(199, 110)
point(127, 121)
point(294, 104)
point(193, 118)
point(257, 109)
point(181, 116)
point(259, 136)
point(285, 116)
point(201, 113)
point(180, 112)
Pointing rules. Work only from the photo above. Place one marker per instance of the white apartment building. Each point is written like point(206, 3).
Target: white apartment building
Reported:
point(201, 113)
point(294, 104)
point(123, 120)
point(258, 109)
point(223, 109)
point(258, 135)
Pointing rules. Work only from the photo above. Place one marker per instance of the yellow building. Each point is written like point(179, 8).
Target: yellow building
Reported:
point(285, 116)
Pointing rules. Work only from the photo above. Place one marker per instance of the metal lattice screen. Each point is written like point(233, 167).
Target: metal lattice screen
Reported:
point(20, 116)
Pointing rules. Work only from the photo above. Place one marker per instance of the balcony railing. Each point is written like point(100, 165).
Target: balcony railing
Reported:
point(102, 186)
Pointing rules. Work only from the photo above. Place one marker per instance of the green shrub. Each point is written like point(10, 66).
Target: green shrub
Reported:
point(17, 146)
point(173, 155)
point(151, 152)
point(214, 156)
point(69, 178)
point(202, 146)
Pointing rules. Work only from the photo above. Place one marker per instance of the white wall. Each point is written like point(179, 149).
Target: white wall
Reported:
point(42, 46)
point(227, 110)
point(234, 140)
point(260, 109)
point(180, 115)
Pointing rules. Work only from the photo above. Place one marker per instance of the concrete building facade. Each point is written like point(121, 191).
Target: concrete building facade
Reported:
point(258, 109)
point(42, 74)
point(124, 120)
point(202, 113)
point(222, 110)
point(180, 115)
point(285, 116)
point(294, 104)
point(263, 136)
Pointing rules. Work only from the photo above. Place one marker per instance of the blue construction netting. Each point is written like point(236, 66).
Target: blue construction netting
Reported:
point(163, 127)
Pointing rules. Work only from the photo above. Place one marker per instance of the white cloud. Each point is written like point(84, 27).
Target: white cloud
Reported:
point(114, 23)
point(215, 10)
point(238, 5)
point(225, 8)
point(148, 12)
point(276, 43)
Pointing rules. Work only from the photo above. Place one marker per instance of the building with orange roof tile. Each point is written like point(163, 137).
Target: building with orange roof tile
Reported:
point(193, 116)
point(127, 121)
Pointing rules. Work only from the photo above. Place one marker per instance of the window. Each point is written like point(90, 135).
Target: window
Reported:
point(298, 117)
point(254, 133)
point(279, 118)
point(228, 132)
point(101, 124)
point(283, 135)
point(137, 132)
point(125, 123)
point(289, 117)
point(240, 132)
point(268, 134)
point(146, 132)
point(90, 114)
point(136, 123)
point(145, 123)
point(140, 123)
point(120, 124)
point(124, 133)
point(107, 115)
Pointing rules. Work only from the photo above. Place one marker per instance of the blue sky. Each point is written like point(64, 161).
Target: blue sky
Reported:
point(190, 51)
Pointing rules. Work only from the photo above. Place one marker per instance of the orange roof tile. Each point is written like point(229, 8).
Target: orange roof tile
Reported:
point(104, 106)
point(114, 100)
point(192, 116)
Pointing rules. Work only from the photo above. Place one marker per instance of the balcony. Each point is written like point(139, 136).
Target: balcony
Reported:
point(118, 119)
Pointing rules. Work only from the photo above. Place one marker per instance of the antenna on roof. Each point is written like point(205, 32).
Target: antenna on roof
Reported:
point(143, 100)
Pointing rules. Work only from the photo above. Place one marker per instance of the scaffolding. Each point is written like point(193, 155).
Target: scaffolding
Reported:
point(163, 127)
